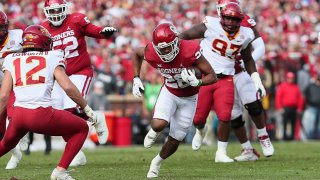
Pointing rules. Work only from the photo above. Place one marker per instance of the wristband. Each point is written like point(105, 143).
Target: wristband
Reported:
point(200, 82)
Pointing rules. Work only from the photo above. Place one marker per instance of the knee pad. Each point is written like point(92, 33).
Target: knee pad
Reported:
point(237, 123)
point(255, 108)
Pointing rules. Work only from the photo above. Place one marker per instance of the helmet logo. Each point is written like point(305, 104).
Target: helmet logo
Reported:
point(173, 29)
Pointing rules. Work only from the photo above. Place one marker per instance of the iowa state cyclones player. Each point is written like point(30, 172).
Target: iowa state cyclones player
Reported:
point(68, 32)
point(10, 42)
point(177, 100)
point(248, 93)
point(222, 40)
point(35, 70)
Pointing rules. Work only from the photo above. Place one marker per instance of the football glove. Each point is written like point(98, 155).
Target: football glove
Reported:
point(188, 77)
point(108, 31)
point(261, 91)
point(91, 114)
point(137, 87)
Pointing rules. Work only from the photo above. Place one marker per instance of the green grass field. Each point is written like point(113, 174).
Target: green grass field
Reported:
point(294, 160)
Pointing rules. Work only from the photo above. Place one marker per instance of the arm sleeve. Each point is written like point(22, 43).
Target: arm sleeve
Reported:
point(93, 31)
point(89, 29)
point(258, 48)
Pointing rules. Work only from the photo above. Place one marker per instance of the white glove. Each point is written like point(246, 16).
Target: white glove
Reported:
point(188, 77)
point(137, 87)
point(91, 114)
point(108, 31)
point(259, 86)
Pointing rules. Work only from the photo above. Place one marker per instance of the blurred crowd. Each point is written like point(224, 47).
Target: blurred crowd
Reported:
point(289, 28)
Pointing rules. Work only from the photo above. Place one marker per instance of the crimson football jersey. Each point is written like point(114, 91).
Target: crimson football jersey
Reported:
point(70, 37)
point(171, 71)
point(247, 21)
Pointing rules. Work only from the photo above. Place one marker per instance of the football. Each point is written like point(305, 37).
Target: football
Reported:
point(196, 71)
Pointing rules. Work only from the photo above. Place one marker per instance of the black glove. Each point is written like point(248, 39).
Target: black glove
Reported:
point(108, 31)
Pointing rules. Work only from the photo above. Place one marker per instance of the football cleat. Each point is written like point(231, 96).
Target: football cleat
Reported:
point(153, 170)
point(101, 128)
point(266, 145)
point(248, 155)
point(60, 175)
point(15, 158)
point(24, 142)
point(221, 157)
point(79, 160)
point(198, 138)
point(150, 138)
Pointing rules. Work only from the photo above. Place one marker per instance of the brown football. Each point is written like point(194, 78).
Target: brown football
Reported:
point(196, 71)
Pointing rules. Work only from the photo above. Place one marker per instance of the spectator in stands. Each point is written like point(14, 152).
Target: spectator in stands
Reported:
point(311, 119)
point(289, 102)
point(97, 100)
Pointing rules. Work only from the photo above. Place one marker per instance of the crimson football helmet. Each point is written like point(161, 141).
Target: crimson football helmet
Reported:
point(165, 41)
point(223, 3)
point(4, 23)
point(36, 37)
point(231, 17)
point(55, 11)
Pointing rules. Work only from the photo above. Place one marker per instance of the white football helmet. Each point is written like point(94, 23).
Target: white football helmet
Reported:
point(55, 11)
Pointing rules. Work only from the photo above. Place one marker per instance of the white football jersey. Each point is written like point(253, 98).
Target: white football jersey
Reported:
point(32, 74)
point(221, 50)
point(13, 43)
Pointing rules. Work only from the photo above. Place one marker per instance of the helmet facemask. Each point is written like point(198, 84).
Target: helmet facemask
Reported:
point(162, 49)
point(56, 13)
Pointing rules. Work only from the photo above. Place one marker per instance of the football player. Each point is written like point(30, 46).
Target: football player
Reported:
point(248, 91)
point(35, 70)
point(176, 103)
point(10, 42)
point(223, 39)
point(68, 32)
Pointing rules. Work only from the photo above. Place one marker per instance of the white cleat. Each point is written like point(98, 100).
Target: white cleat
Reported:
point(60, 175)
point(150, 138)
point(248, 155)
point(101, 128)
point(198, 138)
point(266, 145)
point(79, 160)
point(221, 157)
point(15, 159)
point(153, 170)
point(24, 142)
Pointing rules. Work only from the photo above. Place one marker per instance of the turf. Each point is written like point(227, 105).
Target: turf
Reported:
point(295, 160)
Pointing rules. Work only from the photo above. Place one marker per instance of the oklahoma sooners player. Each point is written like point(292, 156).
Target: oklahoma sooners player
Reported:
point(176, 103)
point(10, 42)
point(68, 32)
point(222, 40)
point(248, 91)
point(35, 70)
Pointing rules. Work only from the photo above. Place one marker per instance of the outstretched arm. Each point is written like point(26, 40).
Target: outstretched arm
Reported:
point(195, 32)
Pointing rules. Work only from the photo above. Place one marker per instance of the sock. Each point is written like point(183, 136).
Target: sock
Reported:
point(262, 132)
point(203, 131)
point(157, 160)
point(222, 146)
point(246, 145)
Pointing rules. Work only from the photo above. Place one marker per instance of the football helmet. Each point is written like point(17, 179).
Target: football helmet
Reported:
point(36, 37)
point(231, 17)
point(223, 3)
point(165, 41)
point(4, 23)
point(55, 11)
